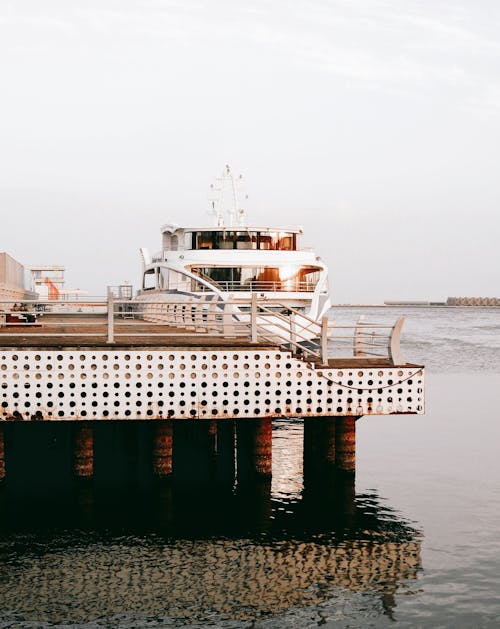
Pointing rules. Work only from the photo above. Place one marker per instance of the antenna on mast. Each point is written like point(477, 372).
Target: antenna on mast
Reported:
point(224, 199)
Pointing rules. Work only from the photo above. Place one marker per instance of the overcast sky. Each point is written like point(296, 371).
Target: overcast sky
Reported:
point(374, 124)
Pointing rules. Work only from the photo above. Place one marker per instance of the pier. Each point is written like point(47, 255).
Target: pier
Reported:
point(160, 365)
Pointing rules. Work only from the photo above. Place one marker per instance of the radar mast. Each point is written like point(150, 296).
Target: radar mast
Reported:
point(224, 197)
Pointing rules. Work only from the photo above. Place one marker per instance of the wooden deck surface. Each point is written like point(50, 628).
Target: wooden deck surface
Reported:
point(91, 331)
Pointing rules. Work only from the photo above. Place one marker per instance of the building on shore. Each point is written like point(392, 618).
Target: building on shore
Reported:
point(47, 282)
point(12, 279)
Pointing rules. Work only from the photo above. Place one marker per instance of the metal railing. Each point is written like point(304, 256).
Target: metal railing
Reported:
point(283, 286)
point(113, 320)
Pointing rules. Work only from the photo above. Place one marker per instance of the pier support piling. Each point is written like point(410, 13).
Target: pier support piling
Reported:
point(263, 437)
point(163, 448)
point(329, 435)
point(212, 437)
point(254, 449)
point(345, 443)
point(226, 453)
point(83, 450)
point(2, 454)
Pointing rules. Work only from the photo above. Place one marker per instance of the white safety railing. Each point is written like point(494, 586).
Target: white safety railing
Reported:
point(114, 320)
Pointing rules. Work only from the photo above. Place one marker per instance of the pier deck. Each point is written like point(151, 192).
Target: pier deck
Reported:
point(202, 362)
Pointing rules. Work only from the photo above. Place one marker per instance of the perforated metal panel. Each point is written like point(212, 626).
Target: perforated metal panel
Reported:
point(191, 383)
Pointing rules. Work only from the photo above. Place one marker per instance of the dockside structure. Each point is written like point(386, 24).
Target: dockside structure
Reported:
point(109, 360)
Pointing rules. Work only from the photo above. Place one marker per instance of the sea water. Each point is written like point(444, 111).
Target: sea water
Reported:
point(414, 542)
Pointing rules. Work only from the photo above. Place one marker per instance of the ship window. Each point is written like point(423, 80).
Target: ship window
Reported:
point(241, 239)
point(225, 240)
point(277, 241)
point(246, 240)
point(205, 240)
point(267, 241)
point(285, 242)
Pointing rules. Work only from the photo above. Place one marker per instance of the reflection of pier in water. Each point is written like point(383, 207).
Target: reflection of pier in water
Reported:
point(199, 545)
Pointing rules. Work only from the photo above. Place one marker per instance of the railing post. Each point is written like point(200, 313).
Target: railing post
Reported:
point(253, 318)
point(227, 321)
point(324, 341)
point(358, 338)
point(111, 318)
point(293, 330)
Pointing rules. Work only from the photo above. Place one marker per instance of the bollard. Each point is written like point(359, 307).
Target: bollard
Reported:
point(83, 450)
point(345, 443)
point(162, 448)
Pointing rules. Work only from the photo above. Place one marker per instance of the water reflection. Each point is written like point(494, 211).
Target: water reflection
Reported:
point(197, 550)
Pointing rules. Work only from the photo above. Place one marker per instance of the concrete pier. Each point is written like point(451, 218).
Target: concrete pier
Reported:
point(149, 380)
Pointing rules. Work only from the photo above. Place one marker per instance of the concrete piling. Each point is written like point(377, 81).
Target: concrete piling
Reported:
point(254, 449)
point(163, 448)
point(83, 450)
point(329, 432)
point(212, 437)
point(319, 446)
point(211, 451)
point(262, 446)
point(345, 443)
point(225, 472)
point(2, 454)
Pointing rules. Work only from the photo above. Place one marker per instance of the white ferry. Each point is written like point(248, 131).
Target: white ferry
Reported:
point(232, 260)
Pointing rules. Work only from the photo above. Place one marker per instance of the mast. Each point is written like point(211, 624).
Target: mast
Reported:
point(223, 197)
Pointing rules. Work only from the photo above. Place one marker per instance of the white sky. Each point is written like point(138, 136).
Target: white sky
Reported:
point(375, 124)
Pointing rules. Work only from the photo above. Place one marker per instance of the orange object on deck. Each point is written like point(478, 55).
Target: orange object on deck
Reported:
point(53, 290)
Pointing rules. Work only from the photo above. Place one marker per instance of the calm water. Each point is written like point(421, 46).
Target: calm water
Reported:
point(415, 542)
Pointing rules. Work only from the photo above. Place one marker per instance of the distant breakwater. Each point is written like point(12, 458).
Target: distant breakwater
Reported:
point(451, 301)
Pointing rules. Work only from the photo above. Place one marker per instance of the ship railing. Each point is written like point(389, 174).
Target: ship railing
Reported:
point(279, 286)
point(113, 320)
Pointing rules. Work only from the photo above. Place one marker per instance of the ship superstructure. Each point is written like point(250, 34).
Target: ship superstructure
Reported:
point(234, 260)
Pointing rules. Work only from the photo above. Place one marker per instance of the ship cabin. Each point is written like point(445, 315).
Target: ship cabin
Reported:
point(241, 259)
point(256, 238)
